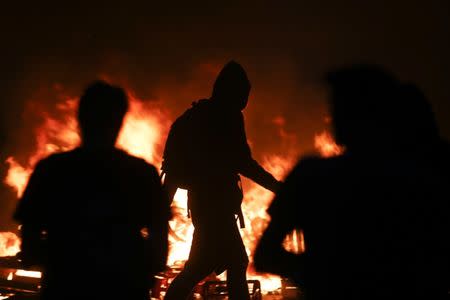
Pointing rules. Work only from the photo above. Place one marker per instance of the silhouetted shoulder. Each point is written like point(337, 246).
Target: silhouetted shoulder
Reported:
point(136, 162)
point(316, 166)
point(298, 191)
point(56, 160)
point(116, 157)
point(34, 201)
point(51, 161)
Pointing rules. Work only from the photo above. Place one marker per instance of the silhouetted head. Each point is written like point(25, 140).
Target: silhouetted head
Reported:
point(364, 107)
point(232, 87)
point(100, 114)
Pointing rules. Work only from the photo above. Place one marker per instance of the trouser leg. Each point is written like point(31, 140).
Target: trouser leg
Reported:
point(184, 283)
point(237, 283)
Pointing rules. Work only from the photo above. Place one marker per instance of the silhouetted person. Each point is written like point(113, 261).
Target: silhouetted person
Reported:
point(205, 151)
point(375, 219)
point(83, 211)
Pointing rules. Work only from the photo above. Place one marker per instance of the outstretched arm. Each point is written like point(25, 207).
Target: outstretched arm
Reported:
point(249, 167)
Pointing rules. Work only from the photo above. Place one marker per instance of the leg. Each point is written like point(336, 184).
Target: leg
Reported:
point(183, 284)
point(237, 283)
point(237, 265)
point(200, 263)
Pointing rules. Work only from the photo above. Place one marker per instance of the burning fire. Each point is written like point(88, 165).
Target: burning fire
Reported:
point(295, 242)
point(181, 228)
point(143, 133)
point(9, 244)
point(325, 144)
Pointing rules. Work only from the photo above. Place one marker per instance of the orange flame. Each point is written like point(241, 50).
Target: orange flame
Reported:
point(326, 145)
point(294, 242)
point(181, 228)
point(9, 244)
point(17, 176)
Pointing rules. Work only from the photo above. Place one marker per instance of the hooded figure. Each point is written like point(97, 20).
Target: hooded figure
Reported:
point(232, 87)
point(205, 152)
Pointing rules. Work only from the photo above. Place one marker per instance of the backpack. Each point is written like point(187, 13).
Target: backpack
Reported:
point(180, 155)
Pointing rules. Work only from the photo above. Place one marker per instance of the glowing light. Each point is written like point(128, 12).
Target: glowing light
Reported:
point(142, 131)
point(31, 274)
point(294, 242)
point(9, 244)
point(17, 176)
point(181, 229)
point(10, 276)
point(326, 145)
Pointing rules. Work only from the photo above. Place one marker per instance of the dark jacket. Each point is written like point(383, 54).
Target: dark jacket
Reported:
point(91, 206)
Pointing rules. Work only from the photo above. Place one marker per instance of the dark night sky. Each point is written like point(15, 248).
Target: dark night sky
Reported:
point(285, 47)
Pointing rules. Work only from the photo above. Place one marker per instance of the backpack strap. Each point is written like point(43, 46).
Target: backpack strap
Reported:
point(240, 215)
